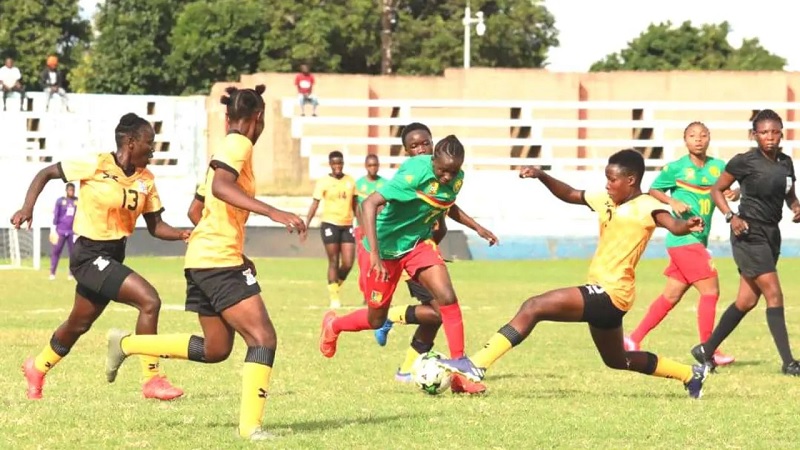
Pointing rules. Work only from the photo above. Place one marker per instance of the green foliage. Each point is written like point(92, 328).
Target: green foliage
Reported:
point(214, 41)
point(33, 30)
point(664, 47)
point(129, 55)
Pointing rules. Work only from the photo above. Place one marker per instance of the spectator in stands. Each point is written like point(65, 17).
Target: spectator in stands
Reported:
point(61, 233)
point(304, 81)
point(52, 80)
point(11, 81)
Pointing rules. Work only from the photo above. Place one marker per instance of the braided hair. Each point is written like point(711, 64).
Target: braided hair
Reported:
point(130, 126)
point(450, 147)
point(696, 122)
point(243, 103)
point(765, 115)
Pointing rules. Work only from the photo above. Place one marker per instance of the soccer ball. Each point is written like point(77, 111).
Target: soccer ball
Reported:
point(431, 378)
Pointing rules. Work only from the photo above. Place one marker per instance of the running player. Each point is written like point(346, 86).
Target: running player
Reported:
point(400, 238)
point(627, 219)
point(338, 191)
point(116, 188)
point(767, 180)
point(689, 181)
point(221, 289)
point(417, 140)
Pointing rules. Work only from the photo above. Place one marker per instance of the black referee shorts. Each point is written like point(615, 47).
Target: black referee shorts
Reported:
point(757, 252)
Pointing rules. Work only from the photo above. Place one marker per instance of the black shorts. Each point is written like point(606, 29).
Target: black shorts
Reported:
point(211, 291)
point(419, 292)
point(98, 269)
point(335, 234)
point(598, 309)
point(757, 252)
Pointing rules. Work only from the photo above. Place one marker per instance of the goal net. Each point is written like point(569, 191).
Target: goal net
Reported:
point(20, 249)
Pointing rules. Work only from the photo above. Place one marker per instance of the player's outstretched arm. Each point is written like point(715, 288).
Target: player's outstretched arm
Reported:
point(558, 188)
point(463, 218)
point(25, 214)
point(224, 187)
point(678, 227)
point(162, 230)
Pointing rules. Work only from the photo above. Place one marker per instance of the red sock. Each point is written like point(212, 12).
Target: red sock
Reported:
point(355, 321)
point(706, 311)
point(454, 329)
point(655, 314)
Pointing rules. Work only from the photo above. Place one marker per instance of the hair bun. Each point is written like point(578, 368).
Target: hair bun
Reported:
point(260, 89)
point(225, 100)
point(128, 119)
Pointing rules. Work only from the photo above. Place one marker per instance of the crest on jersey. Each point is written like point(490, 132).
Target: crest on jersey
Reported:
point(142, 187)
point(409, 178)
point(433, 188)
point(457, 185)
point(665, 168)
point(714, 171)
point(689, 173)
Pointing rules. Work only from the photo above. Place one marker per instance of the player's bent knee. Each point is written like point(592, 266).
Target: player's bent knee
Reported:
point(616, 363)
point(216, 355)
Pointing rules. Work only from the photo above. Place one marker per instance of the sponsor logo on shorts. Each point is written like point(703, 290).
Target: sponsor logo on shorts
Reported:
point(328, 232)
point(101, 263)
point(249, 278)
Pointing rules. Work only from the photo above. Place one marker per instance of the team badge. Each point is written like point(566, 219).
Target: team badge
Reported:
point(433, 188)
point(409, 178)
point(142, 187)
point(457, 185)
point(689, 173)
point(375, 297)
point(714, 171)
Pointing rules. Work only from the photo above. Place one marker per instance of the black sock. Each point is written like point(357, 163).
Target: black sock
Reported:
point(411, 315)
point(777, 326)
point(727, 323)
point(197, 349)
point(642, 362)
point(511, 334)
point(421, 347)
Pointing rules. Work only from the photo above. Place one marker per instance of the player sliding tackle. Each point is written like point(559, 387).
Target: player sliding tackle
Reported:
point(627, 218)
point(400, 238)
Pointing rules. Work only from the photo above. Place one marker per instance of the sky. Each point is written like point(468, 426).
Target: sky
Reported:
point(591, 29)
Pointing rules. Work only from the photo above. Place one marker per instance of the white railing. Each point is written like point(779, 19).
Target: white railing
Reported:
point(532, 114)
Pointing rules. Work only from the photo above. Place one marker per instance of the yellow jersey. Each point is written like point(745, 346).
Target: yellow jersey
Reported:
point(625, 231)
point(337, 196)
point(218, 239)
point(110, 200)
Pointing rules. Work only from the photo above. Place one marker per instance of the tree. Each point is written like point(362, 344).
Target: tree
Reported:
point(129, 55)
point(34, 30)
point(664, 47)
point(345, 36)
point(214, 41)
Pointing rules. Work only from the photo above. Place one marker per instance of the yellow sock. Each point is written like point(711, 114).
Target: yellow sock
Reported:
point(157, 345)
point(497, 346)
point(150, 367)
point(340, 282)
point(333, 292)
point(397, 314)
point(411, 356)
point(255, 383)
point(46, 359)
point(667, 368)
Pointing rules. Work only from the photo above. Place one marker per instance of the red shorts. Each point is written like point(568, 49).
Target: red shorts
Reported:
point(690, 263)
point(378, 294)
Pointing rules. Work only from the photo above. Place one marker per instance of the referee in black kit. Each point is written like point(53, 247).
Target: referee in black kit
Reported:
point(766, 177)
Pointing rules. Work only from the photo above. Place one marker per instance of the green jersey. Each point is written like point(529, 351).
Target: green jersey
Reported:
point(691, 185)
point(415, 201)
point(365, 187)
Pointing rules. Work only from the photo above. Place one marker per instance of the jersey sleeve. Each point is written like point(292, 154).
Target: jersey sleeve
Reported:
point(236, 151)
point(319, 189)
point(57, 212)
point(79, 168)
point(665, 181)
point(403, 186)
point(200, 193)
point(738, 166)
point(152, 202)
point(596, 200)
point(651, 206)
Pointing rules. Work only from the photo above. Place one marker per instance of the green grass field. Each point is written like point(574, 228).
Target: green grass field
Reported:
point(552, 391)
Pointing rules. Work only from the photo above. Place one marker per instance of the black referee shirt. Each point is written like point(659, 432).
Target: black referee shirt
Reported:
point(764, 184)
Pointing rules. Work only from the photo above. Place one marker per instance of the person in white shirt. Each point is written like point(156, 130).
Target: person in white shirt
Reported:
point(11, 81)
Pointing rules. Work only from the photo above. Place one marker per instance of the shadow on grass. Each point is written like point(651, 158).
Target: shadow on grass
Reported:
point(312, 426)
